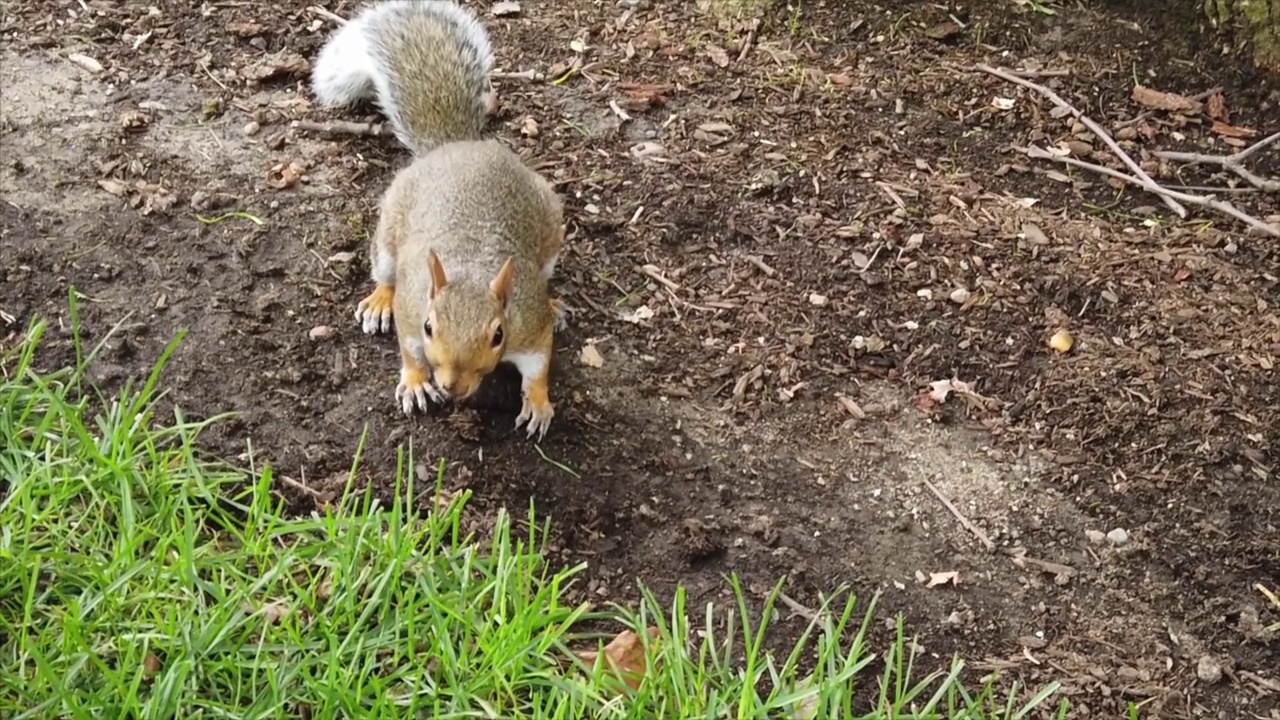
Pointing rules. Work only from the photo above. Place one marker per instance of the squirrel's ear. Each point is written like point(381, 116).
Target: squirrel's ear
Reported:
point(501, 285)
point(438, 280)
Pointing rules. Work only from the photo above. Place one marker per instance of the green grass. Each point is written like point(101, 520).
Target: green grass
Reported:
point(141, 580)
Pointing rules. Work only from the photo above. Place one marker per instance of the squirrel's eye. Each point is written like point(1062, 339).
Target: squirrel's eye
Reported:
point(426, 328)
point(497, 337)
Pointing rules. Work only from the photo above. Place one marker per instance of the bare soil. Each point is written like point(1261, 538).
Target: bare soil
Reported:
point(765, 254)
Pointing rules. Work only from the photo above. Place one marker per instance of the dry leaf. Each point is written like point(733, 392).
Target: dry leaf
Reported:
point(1217, 107)
point(115, 187)
point(591, 356)
point(718, 55)
point(1232, 131)
point(639, 315)
point(1157, 100)
point(940, 389)
point(642, 95)
point(625, 655)
point(285, 62)
point(942, 578)
point(86, 62)
point(503, 9)
point(283, 177)
point(245, 29)
point(271, 612)
point(841, 79)
point(850, 406)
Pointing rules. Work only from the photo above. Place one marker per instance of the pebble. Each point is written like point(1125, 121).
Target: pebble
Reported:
point(959, 296)
point(1118, 537)
point(320, 332)
point(817, 299)
point(1095, 536)
point(1208, 670)
point(252, 128)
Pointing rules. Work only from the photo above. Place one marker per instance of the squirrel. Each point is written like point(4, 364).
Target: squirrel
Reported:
point(468, 236)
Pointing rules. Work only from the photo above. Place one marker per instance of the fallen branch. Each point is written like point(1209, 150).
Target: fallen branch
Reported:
point(1234, 162)
point(977, 532)
point(341, 127)
point(1040, 73)
point(1152, 186)
point(1198, 97)
point(522, 75)
point(316, 9)
point(1093, 126)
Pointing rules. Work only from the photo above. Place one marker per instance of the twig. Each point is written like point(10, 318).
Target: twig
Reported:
point(316, 9)
point(1040, 73)
point(300, 486)
point(1233, 162)
point(1266, 683)
point(341, 127)
point(797, 608)
point(1093, 126)
point(977, 532)
point(1209, 201)
point(1198, 97)
point(522, 75)
point(747, 42)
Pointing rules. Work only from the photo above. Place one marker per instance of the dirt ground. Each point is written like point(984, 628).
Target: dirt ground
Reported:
point(765, 247)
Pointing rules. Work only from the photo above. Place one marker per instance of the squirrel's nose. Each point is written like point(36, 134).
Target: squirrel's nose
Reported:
point(458, 388)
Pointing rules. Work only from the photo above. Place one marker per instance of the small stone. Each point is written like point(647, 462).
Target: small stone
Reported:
point(924, 293)
point(252, 128)
point(1095, 536)
point(1061, 341)
point(1118, 537)
point(959, 296)
point(817, 299)
point(1208, 670)
point(320, 332)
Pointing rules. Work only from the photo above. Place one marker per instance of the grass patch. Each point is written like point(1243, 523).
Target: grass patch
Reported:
point(140, 580)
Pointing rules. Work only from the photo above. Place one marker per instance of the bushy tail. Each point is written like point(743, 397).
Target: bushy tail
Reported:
point(425, 62)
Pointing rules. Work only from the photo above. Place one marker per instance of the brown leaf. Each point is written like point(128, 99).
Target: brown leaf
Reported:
point(943, 578)
point(943, 31)
point(718, 55)
point(1217, 107)
point(271, 612)
point(1157, 100)
point(625, 655)
point(591, 356)
point(284, 62)
point(115, 187)
point(841, 79)
point(644, 94)
point(283, 177)
point(1232, 131)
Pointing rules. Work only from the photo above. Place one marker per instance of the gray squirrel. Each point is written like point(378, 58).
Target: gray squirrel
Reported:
point(468, 236)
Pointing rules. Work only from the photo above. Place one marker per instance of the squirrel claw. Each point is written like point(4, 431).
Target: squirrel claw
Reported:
point(559, 315)
point(538, 419)
point(417, 392)
point(374, 311)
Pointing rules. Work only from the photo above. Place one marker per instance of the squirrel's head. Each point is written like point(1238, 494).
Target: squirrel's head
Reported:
point(464, 332)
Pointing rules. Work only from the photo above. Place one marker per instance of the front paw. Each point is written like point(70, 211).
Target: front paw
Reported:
point(374, 312)
point(537, 415)
point(415, 390)
point(559, 315)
